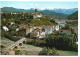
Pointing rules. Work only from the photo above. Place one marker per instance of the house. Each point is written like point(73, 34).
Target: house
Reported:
point(11, 23)
point(42, 35)
point(31, 27)
point(23, 29)
point(22, 32)
point(67, 32)
point(28, 28)
point(49, 29)
point(37, 14)
point(38, 33)
point(33, 34)
point(27, 31)
point(5, 28)
point(61, 23)
point(17, 29)
point(56, 27)
point(22, 26)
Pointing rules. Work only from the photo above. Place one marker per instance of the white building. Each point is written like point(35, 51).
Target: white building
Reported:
point(49, 29)
point(17, 29)
point(37, 15)
point(56, 27)
point(5, 28)
point(61, 23)
point(42, 35)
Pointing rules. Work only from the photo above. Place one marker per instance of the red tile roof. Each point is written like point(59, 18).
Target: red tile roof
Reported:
point(21, 24)
point(10, 22)
point(66, 30)
point(33, 34)
point(49, 25)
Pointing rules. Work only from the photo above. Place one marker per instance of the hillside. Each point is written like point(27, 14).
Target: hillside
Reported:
point(54, 14)
point(11, 9)
point(59, 13)
point(73, 16)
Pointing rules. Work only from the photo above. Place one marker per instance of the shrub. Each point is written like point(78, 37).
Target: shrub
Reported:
point(17, 52)
point(48, 51)
point(44, 51)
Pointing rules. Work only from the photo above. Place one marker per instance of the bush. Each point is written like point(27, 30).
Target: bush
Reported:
point(48, 51)
point(54, 51)
point(44, 51)
point(17, 52)
point(10, 36)
point(2, 46)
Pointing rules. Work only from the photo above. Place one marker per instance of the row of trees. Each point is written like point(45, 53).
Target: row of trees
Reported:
point(64, 42)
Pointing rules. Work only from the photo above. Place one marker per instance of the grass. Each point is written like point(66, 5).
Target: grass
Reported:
point(67, 53)
point(61, 52)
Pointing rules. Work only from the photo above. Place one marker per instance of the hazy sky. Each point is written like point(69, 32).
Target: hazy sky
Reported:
point(39, 4)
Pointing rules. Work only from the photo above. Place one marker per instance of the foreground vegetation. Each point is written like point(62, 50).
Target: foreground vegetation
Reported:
point(60, 41)
point(64, 42)
point(48, 51)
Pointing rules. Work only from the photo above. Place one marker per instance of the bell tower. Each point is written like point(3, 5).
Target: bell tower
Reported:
point(35, 10)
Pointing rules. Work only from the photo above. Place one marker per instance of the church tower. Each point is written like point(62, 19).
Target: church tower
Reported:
point(35, 10)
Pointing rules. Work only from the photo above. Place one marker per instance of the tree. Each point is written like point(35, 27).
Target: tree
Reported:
point(17, 52)
point(48, 51)
point(54, 51)
point(63, 42)
point(67, 27)
point(72, 31)
point(44, 51)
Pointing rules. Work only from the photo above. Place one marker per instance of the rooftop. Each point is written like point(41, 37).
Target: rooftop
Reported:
point(21, 24)
point(65, 30)
point(49, 25)
point(33, 34)
point(10, 22)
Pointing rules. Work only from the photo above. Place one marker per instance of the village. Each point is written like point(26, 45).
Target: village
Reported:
point(33, 32)
point(38, 31)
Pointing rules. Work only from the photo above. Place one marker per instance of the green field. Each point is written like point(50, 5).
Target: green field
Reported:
point(67, 53)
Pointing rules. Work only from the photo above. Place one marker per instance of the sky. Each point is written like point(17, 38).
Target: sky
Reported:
point(39, 4)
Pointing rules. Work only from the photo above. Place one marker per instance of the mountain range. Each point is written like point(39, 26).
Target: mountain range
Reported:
point(63, 13)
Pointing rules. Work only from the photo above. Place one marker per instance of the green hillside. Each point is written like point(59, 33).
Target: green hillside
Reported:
point(54, 14)
point(73, 16)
